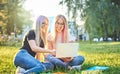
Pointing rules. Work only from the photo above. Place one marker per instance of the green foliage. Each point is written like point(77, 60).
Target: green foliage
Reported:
point(10, 40)
point(100, 54)
point(13, 16)
point(101, 17)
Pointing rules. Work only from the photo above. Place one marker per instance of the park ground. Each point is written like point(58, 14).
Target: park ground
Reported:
point(95, 53)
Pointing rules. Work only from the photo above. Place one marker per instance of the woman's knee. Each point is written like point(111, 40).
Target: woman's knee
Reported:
point(48, 66)
point(81, 59)
point(41, 67)
point(48, 57)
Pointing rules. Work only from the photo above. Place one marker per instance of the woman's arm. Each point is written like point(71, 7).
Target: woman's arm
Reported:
point(36, 48)
point(50, 45)
point(50, 40)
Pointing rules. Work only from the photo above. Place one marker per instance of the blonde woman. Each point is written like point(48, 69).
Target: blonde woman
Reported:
point(60, 35)
point(33, 43)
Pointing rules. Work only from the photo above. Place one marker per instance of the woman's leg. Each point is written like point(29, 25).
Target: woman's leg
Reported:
point(28, 62)
point(78, 60)
point(56, 62)
point(49, 66)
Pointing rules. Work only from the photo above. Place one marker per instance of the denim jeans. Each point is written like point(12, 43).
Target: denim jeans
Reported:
point(29, 63)
point(78, 60)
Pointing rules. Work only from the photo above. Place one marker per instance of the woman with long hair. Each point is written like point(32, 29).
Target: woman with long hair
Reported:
point(33, 43)
point(60, 35)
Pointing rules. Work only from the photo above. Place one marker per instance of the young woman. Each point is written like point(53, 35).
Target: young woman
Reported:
point(34, 43)
point(60, 35)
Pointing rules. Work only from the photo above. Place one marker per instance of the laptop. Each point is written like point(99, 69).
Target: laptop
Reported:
point(67, 50)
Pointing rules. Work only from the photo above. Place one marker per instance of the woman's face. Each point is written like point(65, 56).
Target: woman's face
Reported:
point(59, 25)
point(44, 26)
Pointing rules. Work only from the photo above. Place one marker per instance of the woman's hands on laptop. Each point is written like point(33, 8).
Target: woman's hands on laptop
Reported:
point(66, 59)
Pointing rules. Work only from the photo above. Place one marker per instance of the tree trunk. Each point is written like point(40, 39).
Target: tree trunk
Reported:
point(119, 36)
point(115, 35)
point(105, 32)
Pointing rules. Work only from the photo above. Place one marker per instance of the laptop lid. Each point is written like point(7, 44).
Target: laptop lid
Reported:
point(67, 50)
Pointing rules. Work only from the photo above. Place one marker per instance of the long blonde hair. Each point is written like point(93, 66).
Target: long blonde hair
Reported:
point(65, 30)
point(38, 33)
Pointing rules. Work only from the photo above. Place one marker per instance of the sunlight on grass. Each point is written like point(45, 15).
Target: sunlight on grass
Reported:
point(59, 73)
point(110, 43)
point(6, 57)
point(96, 54)
point(101, 54)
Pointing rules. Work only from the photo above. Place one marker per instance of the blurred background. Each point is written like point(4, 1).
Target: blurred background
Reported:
point(88, 20)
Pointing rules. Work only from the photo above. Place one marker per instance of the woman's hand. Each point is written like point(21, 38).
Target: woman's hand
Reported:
point(67, 59)
point(50, 37)
point(53, 52)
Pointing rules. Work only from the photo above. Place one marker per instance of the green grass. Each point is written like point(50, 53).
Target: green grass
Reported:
point(6, 57)
point(101, 54)
point(96, 54)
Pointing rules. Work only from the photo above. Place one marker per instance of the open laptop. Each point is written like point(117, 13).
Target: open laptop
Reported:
point(67, 50)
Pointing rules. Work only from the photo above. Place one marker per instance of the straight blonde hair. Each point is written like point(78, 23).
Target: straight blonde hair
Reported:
point(65, 30)
point(38, 33)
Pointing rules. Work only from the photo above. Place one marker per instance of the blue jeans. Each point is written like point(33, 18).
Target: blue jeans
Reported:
point(58, 63)
point(29, 63)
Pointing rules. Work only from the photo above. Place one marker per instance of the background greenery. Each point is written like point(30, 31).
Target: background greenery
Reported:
point(100, 17)
point(13, 17)
point(96, 54)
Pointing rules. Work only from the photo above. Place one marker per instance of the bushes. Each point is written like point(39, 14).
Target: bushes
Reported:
point(6, 40)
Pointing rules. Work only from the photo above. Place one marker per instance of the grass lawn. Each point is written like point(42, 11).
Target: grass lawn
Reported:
point(96, 54)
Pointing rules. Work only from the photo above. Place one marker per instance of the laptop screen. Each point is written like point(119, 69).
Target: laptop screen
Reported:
point(67, 50)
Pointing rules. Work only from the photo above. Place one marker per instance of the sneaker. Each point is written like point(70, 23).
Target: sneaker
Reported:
point(20, 70)
point(78, 67)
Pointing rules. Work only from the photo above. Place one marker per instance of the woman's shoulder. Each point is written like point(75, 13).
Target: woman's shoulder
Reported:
point(30, 32)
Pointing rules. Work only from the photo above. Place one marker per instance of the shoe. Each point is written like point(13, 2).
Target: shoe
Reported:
point(20, 70)
point(78, 67)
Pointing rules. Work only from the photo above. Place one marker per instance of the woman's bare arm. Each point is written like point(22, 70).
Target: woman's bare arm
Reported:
point(36, 48)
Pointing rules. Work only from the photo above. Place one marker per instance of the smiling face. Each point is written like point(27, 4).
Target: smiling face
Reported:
point(59, 25)
point(44, 26)
point(60, 28)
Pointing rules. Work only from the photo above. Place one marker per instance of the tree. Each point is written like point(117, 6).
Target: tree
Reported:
point(98, 16)
point(16, 16)
point(3, 16)
point(72, 6)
